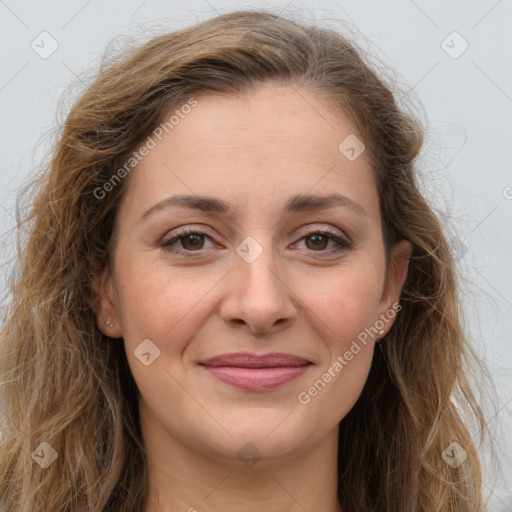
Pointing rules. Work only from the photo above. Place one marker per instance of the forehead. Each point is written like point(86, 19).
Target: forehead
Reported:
point(262, 146)
point(285, 120)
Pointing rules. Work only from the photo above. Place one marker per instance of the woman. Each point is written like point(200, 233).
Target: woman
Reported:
point(233, 294)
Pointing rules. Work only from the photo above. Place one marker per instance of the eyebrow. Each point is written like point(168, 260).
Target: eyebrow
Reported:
point(297, 203)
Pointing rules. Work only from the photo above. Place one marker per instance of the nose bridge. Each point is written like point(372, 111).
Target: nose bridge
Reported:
point(258, 266)
point(258, 295)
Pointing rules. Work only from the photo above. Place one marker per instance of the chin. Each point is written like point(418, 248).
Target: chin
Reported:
point(262, 434)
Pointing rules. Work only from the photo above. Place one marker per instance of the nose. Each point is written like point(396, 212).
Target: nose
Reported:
point(259, 298)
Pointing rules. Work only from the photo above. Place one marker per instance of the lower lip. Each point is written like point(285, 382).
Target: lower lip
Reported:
point(257, 379)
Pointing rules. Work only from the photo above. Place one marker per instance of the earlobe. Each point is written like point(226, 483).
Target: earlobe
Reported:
point(104, 305)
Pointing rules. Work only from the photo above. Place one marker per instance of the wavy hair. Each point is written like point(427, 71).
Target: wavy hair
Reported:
point(65, 383)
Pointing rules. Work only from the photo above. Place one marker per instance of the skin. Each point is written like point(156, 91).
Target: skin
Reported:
point(255, 152)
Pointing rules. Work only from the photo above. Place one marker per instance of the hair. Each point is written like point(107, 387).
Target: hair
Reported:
point(65, 383)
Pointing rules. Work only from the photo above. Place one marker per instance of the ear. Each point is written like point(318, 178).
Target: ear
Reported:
point(395, 278)
point(104, 305)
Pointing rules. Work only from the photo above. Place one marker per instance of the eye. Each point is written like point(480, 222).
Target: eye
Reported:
point(189, 240)
point(317, 240)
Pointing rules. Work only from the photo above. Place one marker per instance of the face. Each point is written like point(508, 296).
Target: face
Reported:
point(244, 314)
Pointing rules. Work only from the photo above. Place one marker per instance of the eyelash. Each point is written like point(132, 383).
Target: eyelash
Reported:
point(343, 243)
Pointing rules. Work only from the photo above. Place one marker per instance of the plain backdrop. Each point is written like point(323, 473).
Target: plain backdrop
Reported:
point(450, 58)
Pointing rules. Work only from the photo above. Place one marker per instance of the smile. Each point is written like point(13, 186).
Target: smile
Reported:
point(256, 372)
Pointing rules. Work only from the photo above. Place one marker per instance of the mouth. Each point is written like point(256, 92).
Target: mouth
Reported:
point(256, 372)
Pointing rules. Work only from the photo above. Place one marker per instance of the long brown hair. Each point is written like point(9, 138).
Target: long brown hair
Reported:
point(65, 383)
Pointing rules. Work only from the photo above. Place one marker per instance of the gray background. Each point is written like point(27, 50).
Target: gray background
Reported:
point(466, 97)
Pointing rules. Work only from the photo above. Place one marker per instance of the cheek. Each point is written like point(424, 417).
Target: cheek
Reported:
point(337, 385)
point(347, 305)
point(346, 302)
point(168, 311)
point(163, 306)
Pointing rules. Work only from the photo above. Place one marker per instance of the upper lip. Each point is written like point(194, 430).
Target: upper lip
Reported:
point(247, 360)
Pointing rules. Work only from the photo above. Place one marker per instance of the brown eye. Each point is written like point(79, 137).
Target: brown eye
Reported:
point(324, 242)
point(192, 242)
point(189, 242)
point(318, 241)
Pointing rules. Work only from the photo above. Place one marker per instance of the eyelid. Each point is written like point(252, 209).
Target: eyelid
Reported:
point(308, 228)
point(326, 229)
point(189, 229)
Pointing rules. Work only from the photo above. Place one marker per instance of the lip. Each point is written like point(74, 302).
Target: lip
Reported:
point(256, 372)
